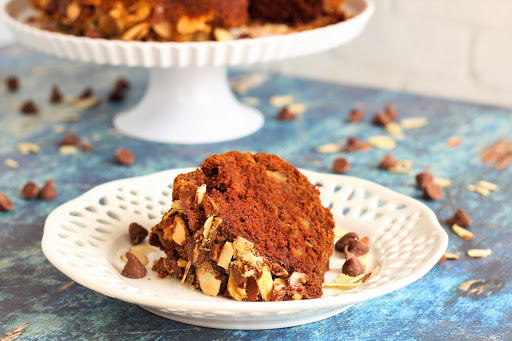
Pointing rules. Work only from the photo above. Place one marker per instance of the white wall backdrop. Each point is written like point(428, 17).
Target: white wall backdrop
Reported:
point(451, 48)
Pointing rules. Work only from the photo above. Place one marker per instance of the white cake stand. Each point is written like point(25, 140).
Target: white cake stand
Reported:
point(188, 99)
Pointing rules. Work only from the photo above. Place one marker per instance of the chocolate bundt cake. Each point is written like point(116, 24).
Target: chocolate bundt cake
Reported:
point(249, 227)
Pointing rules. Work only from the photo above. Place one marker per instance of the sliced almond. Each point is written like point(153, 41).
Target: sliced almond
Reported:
point(265, 284)
point(248, 82)
point(462, 232)
point(296, 108)
point(221, 34)
point(137, 32)
point(233, 289)
point(479, 253)
point(487, 185)
point(188, 25)
point(395, 129)
point(480, 190)
point(200, 194)
point(11, 163)
point(449, 255)
point(382, 142)
point(207, 227)
point(176, 204)
point(72, 117)
point(68, 149)
point(279, 283)
point(414, 122)
point(344, 286)
point(140, 256)
point(442, 182)
point(182, 263)
point(365, 259)
point(28, 148)
point(254, 101)
point(73, 11)
point(250, 258)
point(454, 141)
point(281, 100)
point(60, 129)
point(142, 248)
point(187, 269)
point(179, 233)
point(330, 148)
point(163, 29)
point(242, 246)
point(342, 278)
point(339, 233)
point(209, 281)
point(297, 277)
point(86, 103)
point(226, 255)
point(402, 167)
point(277, 175)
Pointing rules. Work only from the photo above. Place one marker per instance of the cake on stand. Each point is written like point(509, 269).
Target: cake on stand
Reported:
point(188, 99)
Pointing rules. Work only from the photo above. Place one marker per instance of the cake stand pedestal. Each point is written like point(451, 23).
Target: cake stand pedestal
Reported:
point(188, 99)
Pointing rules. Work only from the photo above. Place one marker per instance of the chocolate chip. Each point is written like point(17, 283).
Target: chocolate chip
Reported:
point(442, 259)
point(460, 218)
point(48, 192)
point(86, 93)
point(432, 192)
point(56, 96)
point(286, 114)
point(356, 115)
point(29, 108)
point(70, 140)
point(388, 162)
point(30, 190)
point(12, 83)
point(380, 119)
point(344, 241)
point(423, 179)
point(86, 147)
point(353, 144)
point(116, 95)
point(391, 112)
point(357, 247)
point(125, 156)
point(133, 268)
point(122, 84)
point(352, 266)
point(137, 233)
point(340, 165)
point(5, 203)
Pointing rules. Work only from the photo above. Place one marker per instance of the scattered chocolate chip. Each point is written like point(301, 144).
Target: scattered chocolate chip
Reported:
point(48, 192)
point(352, 266)
point(380, 119)
point(125, 156)
point(353, 144)
point(391, 112)
point(344, 241)
point(5, 203)
point(422, 179)
point(356, 115)
point(56, 96)
point(70, 140)
point(432, 191)
point(340, 165)
point(122, 83)
point(86, 93)
point(357, 247)
point(29, 108)
point(137, 233)
point(286, 114)
point(388, 162)
point(442, 259)
point(30, 190)
point(87, 147)
point(116, 95)
point(12, 83)
point(133, 268)
point(460, 218)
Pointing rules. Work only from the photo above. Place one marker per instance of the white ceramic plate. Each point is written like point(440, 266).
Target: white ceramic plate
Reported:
point(186, 54)
point(85, 237)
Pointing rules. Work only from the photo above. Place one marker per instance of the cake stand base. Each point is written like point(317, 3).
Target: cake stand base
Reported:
point(189, 105)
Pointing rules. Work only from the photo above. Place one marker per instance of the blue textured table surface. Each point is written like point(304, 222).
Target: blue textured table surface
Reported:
point(465, 298)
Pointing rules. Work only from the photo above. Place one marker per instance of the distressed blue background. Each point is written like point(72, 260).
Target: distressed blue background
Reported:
point(433, 308)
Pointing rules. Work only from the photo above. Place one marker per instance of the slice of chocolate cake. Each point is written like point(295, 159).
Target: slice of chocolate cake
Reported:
point(245, 226)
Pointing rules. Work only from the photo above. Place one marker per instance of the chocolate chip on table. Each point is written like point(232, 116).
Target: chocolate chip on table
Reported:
point(391, 112)
point(29, 108)
point(380, 119)
point(5, 203)
point(356, 115)
point(133, 268)
point(56, 96)
point(286, 114)
point(353, 144)
point(357, 247)
point(122, 83)
point(48, 192)
point(137, 233)
point(344, 241)
point(340, 165)
point(125, 156)
point(70, 140)
point(352, 266)
point(12, 83)
point(460, 218)
point(30, 190)
point(422, 179)
point(432, 191)
point(116, 95)
point(86, 93)
point(388, 162)
point(87, 147)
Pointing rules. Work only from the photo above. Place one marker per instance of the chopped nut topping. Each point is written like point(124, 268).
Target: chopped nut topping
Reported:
point(140, 256)
point(382, 142)
point(237, 293)
point(180, 232)
point(277, 175)
point(488, 185)
point(209, 281)
point(265, 284)
point(142, 248)
point(11, 163)
point(462, 232)
point(221, 34)
point(226, 255)
point(207, 227)
point(200, 194)
point(28, 148)
point(297, 277)
point(449, 255)
point(479, 253)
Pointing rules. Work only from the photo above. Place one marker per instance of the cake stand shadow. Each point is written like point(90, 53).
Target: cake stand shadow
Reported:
point(188, 99)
